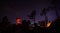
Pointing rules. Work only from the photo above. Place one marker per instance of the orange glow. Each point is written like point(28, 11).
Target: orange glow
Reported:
point(18, 20)
point(48, 24)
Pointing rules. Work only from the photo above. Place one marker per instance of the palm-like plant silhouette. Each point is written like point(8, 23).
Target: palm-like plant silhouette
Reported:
point(53, 6)
point(44, 12)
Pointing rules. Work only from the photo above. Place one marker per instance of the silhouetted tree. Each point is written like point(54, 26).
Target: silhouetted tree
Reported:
point(5, 20)
point(24, 22)
point(53, 6)
point(28, 22)
point(4, 24)
point(25, 26)
point(32, 15)
point(44, 12)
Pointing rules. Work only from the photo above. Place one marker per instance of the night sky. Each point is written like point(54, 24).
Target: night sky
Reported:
point(15, 8)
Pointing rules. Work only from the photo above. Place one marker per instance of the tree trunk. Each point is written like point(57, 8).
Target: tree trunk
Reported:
point(46, 19)
point(34, 19)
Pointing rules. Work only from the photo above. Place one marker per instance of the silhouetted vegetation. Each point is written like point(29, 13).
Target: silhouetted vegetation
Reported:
point(32, 15)
point(44, 12)
point(5, 20)
point(53, 3)
point(26, 28)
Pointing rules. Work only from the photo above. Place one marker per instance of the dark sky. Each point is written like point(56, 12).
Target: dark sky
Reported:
point(15, 8)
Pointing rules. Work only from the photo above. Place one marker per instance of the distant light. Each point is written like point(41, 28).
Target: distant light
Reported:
point(18, 20)
point(44, 24)
point(48, 24)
